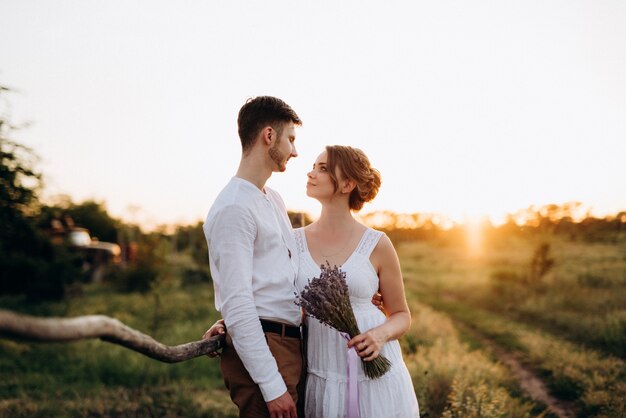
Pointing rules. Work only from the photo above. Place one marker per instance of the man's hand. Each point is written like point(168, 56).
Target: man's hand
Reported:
point(217, 328)
point(377, 300)
point(282, 407)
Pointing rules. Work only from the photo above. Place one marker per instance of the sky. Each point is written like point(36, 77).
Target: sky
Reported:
point(467, 108)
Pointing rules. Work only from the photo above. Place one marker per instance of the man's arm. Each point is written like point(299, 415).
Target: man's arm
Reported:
point(231, 247)
point(218, 328)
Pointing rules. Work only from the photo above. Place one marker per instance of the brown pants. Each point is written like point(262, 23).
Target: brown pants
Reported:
point(246, 394)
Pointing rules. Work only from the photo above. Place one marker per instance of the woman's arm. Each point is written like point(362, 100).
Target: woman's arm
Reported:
point(385, 261)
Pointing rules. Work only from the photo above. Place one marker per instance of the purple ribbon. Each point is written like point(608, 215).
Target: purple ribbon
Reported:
point(352, 394)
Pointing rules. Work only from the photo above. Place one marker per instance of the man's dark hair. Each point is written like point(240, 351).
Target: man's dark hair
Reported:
point(260, 112)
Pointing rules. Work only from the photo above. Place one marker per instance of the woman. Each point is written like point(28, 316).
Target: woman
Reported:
point(342, 180)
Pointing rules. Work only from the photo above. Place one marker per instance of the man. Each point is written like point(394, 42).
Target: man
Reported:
point(253, 263)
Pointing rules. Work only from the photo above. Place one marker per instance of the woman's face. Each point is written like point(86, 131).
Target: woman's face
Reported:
point(319, 184)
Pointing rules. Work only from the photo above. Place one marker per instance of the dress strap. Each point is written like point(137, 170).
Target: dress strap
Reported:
point(368, 242)
point(299, 237)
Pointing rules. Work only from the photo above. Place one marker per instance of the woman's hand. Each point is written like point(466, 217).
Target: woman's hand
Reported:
point(218, 328)
point(368, 344)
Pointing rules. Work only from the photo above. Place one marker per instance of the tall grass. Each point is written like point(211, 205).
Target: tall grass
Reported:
point(453, 380)
point(94, 378)
point(563, 327)
point(583, 298)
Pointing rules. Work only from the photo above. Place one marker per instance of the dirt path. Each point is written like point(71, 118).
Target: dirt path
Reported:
point(526, 378)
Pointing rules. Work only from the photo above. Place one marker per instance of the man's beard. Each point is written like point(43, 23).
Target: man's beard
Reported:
point(278, 157)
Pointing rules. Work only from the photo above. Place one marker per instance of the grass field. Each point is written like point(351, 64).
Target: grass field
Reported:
point(470, 313)
point(569, 329)
point(94, 378)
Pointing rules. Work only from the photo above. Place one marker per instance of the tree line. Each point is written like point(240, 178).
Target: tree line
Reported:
point(31, 264)
point(559, 220)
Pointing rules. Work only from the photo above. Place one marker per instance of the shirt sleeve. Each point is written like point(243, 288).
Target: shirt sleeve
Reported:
point(231, 247)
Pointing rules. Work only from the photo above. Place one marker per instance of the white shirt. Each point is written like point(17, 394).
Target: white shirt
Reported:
point(253, 259)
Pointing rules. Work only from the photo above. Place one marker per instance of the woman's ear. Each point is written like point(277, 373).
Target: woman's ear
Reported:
point(347, 186)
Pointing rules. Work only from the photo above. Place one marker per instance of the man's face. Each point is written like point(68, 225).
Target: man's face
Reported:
point(284, 146)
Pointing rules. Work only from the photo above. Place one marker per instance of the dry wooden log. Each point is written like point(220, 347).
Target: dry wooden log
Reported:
point(103, 327)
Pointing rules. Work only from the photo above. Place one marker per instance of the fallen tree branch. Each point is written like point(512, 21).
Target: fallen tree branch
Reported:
point(103, 327)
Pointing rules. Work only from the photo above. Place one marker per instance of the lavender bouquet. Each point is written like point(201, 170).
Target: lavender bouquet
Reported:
point(326, 298)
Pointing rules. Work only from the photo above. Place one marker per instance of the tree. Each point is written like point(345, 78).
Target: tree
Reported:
point(19, 185)
point(89, 214)
point(299, 219)
point(541, 263)
point(29, 263)
point(191, 238)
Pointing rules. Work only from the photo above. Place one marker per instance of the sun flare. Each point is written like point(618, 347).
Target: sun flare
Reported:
point(474, 234)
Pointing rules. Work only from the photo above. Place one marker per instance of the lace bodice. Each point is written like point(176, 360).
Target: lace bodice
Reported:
point(360, 274)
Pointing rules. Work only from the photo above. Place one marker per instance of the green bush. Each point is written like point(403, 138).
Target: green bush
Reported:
point(508, 285)
point(139, 278)
point(596, 281)
point(194, 276)
point(34, 267)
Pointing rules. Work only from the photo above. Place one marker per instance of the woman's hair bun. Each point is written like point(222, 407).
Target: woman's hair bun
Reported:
point(354, 164)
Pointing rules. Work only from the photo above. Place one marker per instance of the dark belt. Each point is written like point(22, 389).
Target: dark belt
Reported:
point(283, 330)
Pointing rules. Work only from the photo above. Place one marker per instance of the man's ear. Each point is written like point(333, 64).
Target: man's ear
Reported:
point(347, 186)
point(268, 134)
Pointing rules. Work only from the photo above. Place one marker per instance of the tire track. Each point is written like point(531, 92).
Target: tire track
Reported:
point(527, 380)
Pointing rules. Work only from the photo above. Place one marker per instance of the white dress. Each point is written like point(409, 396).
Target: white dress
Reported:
point(391, 395)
